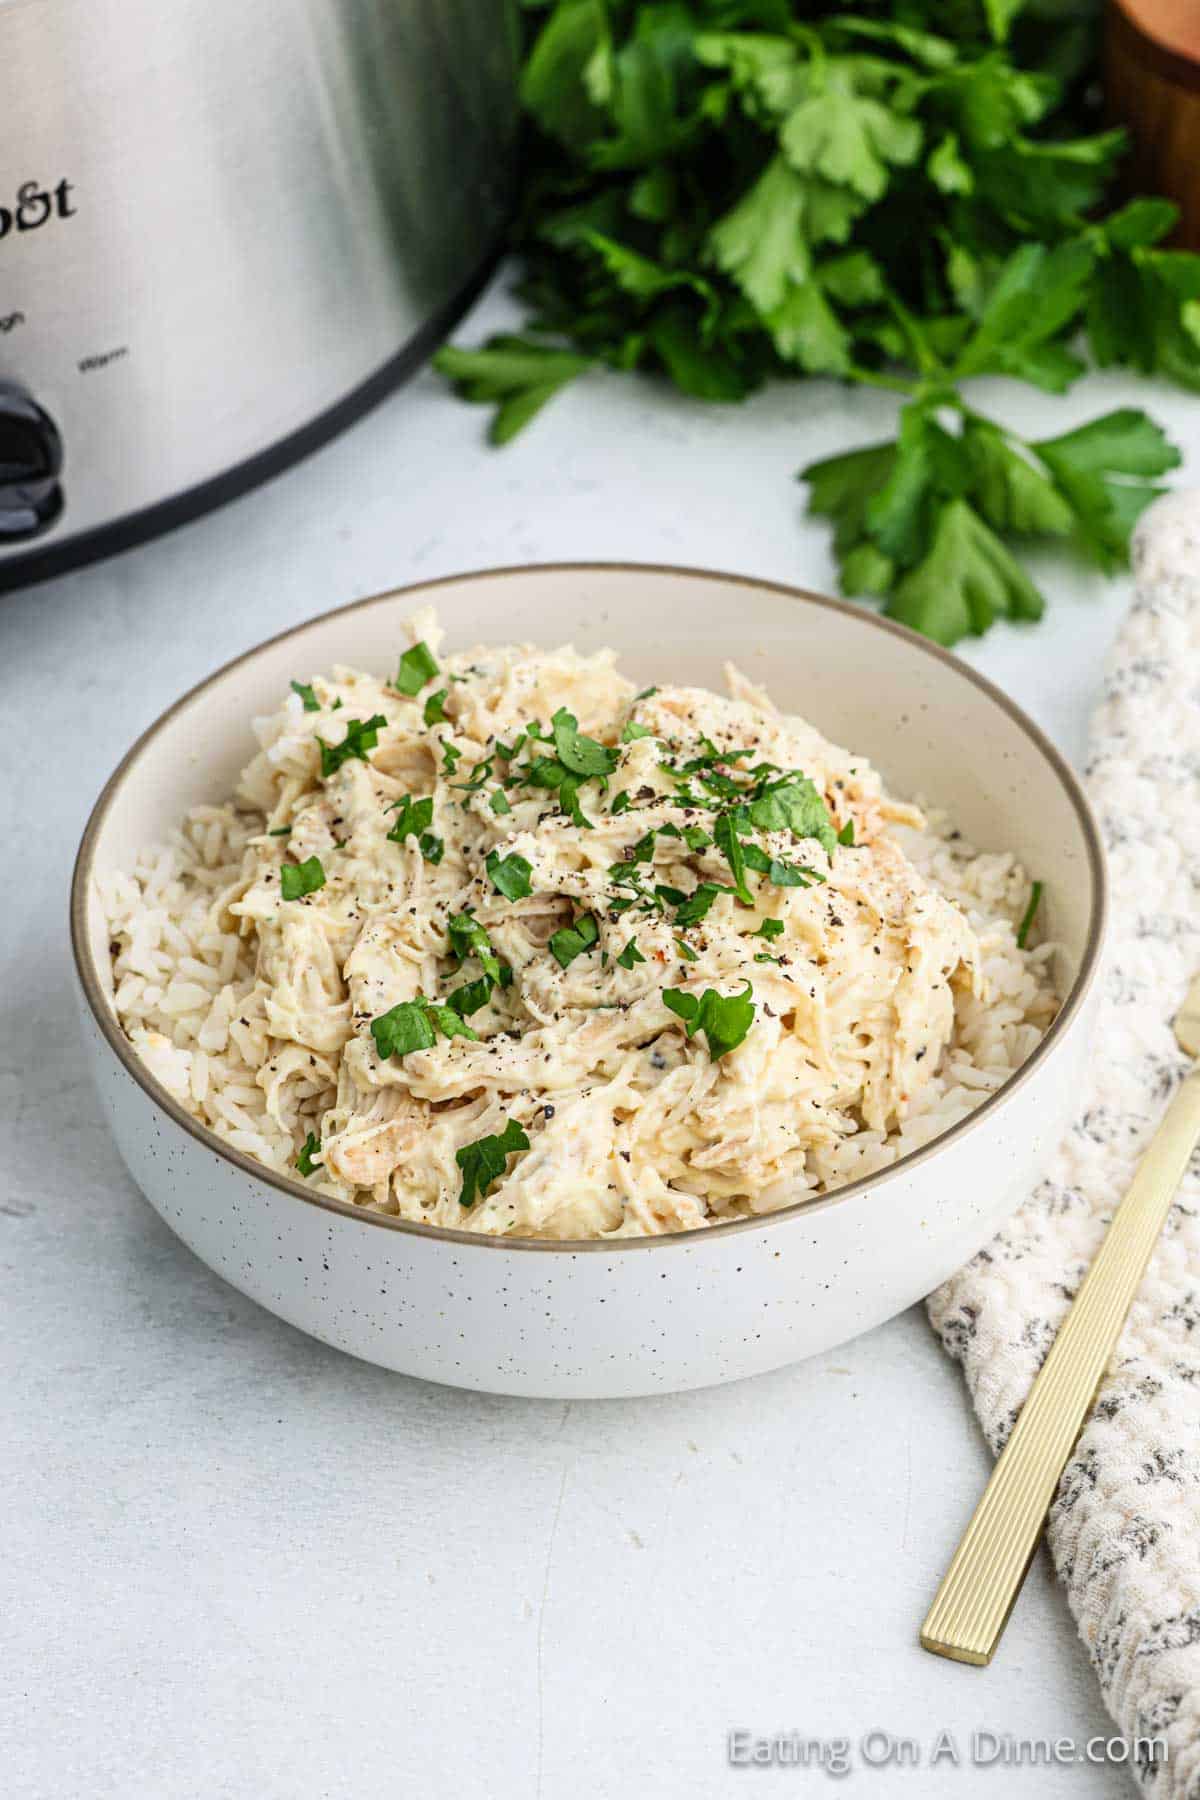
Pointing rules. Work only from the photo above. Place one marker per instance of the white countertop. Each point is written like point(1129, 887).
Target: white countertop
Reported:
point(240, 1564)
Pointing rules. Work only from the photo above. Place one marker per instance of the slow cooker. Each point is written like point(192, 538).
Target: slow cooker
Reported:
point(225, 230)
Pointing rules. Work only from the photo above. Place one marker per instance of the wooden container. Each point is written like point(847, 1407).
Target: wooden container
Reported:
point(1152, 87)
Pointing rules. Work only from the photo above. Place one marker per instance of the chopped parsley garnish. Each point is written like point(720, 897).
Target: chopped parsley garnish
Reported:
point(450, 1020)
point(630, 955)
point(298, 879)
point(470, 996)
point(361, 735)
point(781, 874)
point(846, 835)
point(633, 731)
point(646, 694)
point(1035, 899)
point(568, 799)
point(698, 905)
point(468, 938)
point(764, 956)
point(416, 668)
point(581, 755)
point(311, 703)
point(692, 835)
point(770, 928)
point(729, 843)
point(685, 950)
point(509, 751)
point(572, 940)
point(621, 802)
point(450, 756)
point(549, 773)
point(479, 777)
point(483, 1163)
point(793, 804)
point(499, 803)
point(435, 708)
point(308, 1149)
point(509, 875)
point(402, 1029)
point(413, 819)
point(409, 1026)
point(723, 1020)
point(280, 831)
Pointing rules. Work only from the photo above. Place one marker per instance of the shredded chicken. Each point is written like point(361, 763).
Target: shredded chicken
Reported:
point(629, 1115)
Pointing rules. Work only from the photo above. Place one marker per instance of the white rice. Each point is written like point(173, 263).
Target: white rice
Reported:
point(183, 982)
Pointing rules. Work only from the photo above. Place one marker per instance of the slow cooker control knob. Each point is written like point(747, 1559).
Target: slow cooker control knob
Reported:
point(31, 497)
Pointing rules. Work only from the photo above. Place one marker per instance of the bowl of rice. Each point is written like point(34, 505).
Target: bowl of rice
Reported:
point(588, 980)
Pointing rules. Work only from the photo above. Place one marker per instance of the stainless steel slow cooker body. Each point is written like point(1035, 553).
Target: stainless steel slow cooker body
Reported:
point(225, 229)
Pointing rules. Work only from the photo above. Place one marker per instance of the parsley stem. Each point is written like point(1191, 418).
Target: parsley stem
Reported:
point(895, 384)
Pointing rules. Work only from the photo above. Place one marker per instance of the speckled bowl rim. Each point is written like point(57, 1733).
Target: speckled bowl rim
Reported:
point(416, 591)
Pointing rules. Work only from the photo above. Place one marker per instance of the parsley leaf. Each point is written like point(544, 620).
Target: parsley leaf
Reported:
point(966, 580)
point(549, 773)
point(417, 666)
point(413, 819)
point(728, 841)
point(793, 804)
point(361, 735)
point(509, 875)
point(845, 836)
point(1105, 471)
point(724, 1021)
point(451, 1019)
point(434, 710)
point(483, 1163)
point(306, 1152)
point(298, 879)
point(468, 938)
point(633, 731)
point(630, 955)
point(572, 940)
point(581, 755)
point(402, 1029)
point(697, 905)
point(778, 872)
point(311, 704)
point(470, 997)
point(770, 928)
point(409, 1026)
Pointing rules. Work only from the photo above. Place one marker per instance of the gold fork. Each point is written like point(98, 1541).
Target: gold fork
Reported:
point(972, 1606)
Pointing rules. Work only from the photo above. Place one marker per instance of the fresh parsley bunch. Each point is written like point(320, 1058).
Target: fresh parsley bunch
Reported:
point(905, 193)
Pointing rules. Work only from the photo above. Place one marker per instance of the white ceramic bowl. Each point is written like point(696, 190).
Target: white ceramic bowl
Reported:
point(640, 1315)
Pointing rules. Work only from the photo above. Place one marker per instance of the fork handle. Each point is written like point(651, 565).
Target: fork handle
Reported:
point(972, 1605)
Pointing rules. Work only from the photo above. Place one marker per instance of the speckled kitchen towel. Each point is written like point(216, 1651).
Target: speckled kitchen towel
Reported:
point(1125, 1525)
